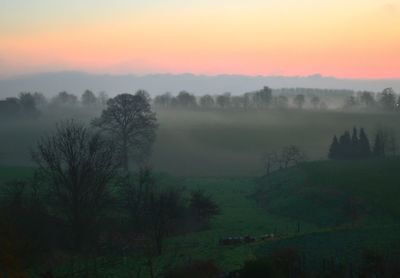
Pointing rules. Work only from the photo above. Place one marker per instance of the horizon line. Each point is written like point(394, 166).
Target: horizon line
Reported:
point(135, 74)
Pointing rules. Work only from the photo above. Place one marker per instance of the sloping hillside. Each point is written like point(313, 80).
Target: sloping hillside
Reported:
point(332, 193)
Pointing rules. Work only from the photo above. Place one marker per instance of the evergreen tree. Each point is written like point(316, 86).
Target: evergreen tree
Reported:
point(379, 149)
point(334, 150)
point(354, 146)
point(364, 145)
point(354, 151)
point(345, 146)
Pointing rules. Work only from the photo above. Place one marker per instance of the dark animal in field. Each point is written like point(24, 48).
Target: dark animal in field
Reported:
point(267, 236)
point(231, 241)
point(249, 239)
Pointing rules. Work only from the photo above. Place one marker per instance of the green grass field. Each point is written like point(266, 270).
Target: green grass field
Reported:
point(374, 182)
point(330, 193)
point(336, 238)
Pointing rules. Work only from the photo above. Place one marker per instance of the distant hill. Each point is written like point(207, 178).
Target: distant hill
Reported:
point(77, 82)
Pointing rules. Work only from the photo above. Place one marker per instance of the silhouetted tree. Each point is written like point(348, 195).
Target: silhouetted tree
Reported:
point(299, 101)
point(238, 102)
point(248, 100)
point(272, 162)
point(345, 146)
point(388, 99)
point(350, 147)
point(350, 102)
point(355, 148)
point(154, 210)
point(379, 145)
point(40, 99)
point(391, 142)
point(78, 167)
point(186, 100)
point(135, 196)
point(88, 98)
point(224, 100)
point(386, 143)
point(315, 101)
point(334, 149)
point(64, 98)
point(291, 155)
point(163, 101)
point(28, 105)
point(263, 97)
point(367, 99)
point(132, 124)
point(282, 102)
point(207, 101)
point(202, 206)
point(364, 145)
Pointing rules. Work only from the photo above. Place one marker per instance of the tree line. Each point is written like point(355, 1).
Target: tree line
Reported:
point(358, 146)
point(387, 100)
point(30, 104)
point(260, 99)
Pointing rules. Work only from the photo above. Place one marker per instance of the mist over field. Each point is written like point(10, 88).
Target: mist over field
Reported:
point(212, 143)
point(199, 139)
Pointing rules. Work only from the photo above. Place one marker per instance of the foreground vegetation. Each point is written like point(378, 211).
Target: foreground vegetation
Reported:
point(310, 213)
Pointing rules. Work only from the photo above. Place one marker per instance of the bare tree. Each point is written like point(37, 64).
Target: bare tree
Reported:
point(78, 167)
point(288, 156)
point(131, 122)
point(291, 155)
point(272, 162)
point(154, 210)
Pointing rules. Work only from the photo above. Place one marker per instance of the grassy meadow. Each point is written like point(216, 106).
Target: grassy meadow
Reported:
point(306, 213)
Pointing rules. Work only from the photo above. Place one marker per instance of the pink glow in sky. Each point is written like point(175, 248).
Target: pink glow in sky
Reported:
point(350, 39)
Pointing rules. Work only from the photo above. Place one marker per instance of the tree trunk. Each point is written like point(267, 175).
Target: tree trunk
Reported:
point(125, 163)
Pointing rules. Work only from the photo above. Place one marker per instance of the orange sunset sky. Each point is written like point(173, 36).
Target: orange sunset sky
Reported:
point(342, 38)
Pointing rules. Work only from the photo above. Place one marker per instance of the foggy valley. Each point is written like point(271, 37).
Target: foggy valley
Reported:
point(199, 139)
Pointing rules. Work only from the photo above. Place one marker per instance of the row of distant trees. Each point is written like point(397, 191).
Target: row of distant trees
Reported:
point(284, 98)
point(260, 99)
point(357, 145)
point(30, 104)
point(388, 100)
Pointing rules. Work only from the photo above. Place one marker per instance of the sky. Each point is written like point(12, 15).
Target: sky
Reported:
point(340, 38)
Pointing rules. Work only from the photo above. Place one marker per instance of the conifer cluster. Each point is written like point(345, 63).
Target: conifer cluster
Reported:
point(354, 146)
